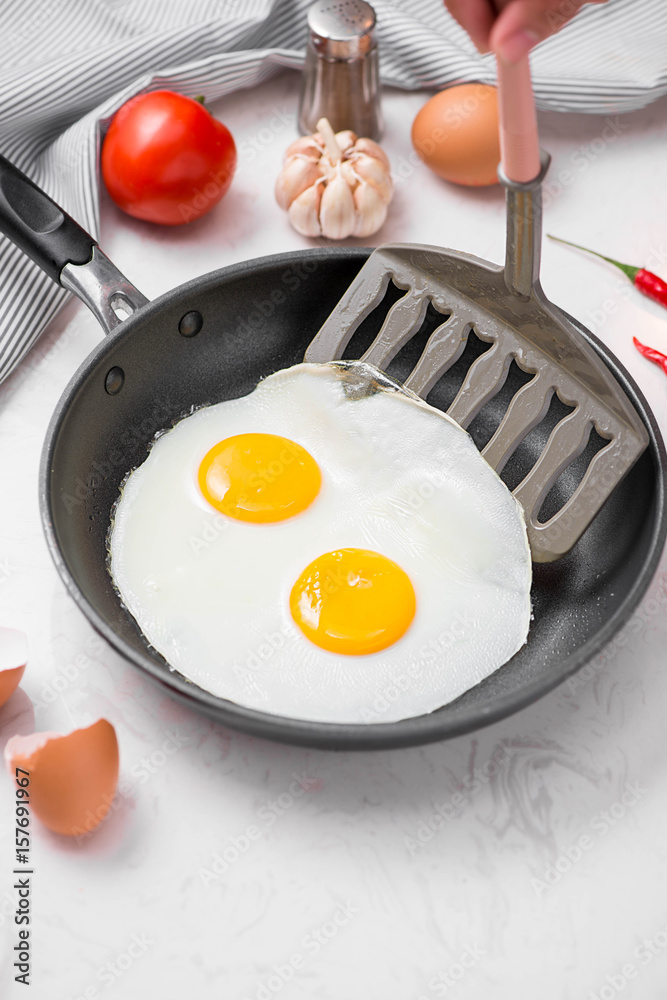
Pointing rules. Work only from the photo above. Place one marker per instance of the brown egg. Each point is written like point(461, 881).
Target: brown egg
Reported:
point(72, 778)
point(456, 134)
point(13, 656)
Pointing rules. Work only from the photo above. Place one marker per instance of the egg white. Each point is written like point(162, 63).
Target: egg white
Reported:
point(212, 594)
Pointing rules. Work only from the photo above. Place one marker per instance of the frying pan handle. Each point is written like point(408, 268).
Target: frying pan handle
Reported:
point(101, 286)
point(38, 226)
point(65, 251)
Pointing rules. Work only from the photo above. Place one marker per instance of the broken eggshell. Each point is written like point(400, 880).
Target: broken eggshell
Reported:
point(72, 777)
point(13, 658)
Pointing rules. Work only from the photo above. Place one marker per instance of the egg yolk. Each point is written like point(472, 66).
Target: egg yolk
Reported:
point(353, 601)
point(259, 477)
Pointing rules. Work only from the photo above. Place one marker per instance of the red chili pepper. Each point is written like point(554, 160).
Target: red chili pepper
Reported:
point(647, 282)
point(651, 354)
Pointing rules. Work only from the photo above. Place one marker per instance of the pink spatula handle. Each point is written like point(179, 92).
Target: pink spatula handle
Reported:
point(519, 139)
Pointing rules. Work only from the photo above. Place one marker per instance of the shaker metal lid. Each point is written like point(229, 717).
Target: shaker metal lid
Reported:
point(341, 29)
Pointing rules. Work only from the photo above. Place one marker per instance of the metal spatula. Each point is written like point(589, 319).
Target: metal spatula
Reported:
point(506, 307)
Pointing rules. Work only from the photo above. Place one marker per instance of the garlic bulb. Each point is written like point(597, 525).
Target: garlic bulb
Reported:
point(334, 184)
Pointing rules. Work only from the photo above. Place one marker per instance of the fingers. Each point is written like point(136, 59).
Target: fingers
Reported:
point(477, 17)
point(512, 27)
point(524, 23)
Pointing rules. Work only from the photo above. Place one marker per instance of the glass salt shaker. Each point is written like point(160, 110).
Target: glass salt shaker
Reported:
point(341, 79)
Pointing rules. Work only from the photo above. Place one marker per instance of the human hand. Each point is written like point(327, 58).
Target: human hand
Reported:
point(510, 28)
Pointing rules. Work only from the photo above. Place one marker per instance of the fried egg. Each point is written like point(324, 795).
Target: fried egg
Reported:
point(328, 548)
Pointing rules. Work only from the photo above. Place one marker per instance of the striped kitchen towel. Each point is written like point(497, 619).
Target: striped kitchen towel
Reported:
point(68, 65)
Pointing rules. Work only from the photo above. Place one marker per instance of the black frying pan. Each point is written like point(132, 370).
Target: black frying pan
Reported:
point(212, 339)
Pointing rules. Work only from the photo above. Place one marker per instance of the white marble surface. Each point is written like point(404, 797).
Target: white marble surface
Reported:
point(331, 877)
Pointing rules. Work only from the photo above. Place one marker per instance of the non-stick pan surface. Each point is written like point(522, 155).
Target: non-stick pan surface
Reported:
point(259, 317)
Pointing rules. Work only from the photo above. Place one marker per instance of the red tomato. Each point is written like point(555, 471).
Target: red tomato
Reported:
point(166, 159)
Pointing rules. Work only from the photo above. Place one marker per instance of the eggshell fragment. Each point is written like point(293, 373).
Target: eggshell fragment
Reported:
point(73, 777)
point(13, 658)
point(456, 134)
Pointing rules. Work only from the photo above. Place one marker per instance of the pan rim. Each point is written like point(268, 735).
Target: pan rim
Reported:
point(414, 731)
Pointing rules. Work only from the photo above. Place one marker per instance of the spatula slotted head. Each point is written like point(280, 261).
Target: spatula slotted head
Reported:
point(472, 295)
